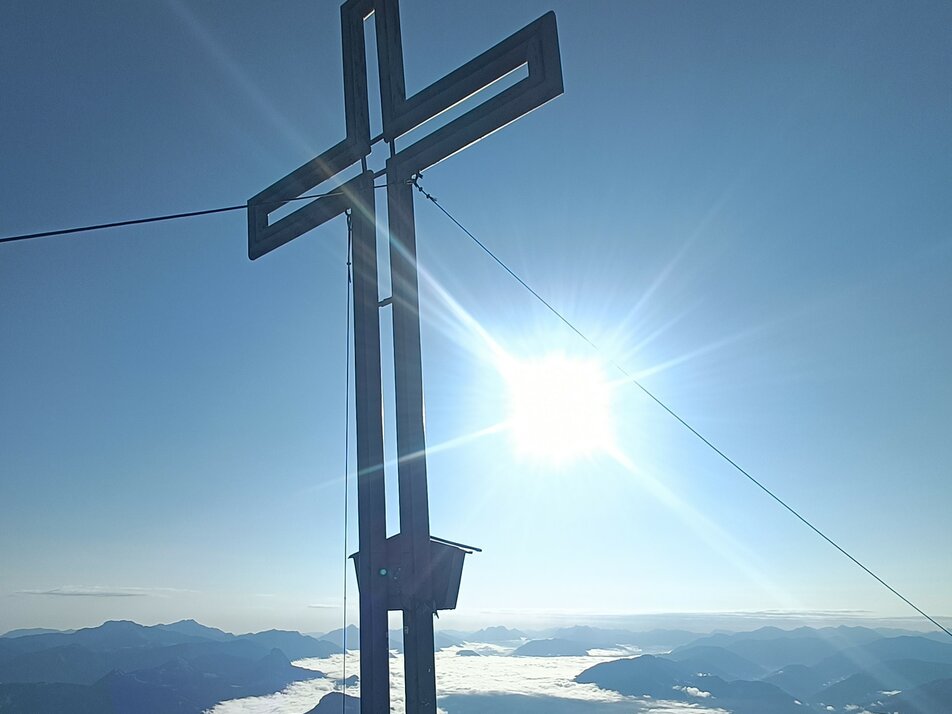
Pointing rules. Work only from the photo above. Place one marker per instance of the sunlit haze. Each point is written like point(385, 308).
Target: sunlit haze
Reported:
point(744, 204)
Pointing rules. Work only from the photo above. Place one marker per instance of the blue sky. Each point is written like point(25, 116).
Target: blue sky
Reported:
point(746, 204)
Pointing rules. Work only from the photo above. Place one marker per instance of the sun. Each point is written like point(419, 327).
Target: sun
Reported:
point(559, 408)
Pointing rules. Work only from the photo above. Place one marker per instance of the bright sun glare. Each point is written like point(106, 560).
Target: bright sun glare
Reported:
point(560, 408)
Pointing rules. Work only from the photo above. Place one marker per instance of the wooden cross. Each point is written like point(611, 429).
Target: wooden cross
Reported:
point(411, 572)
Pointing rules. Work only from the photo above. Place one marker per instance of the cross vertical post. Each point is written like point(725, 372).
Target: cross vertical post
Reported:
point(418, 609)
point(371, 497)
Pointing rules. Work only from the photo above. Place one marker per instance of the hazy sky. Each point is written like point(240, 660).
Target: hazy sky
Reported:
point(745, 203)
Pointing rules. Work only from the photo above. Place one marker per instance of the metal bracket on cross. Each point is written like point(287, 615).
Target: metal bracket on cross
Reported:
point(429, 568)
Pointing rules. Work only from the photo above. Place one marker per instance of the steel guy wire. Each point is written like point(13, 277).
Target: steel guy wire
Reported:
point(657, 400)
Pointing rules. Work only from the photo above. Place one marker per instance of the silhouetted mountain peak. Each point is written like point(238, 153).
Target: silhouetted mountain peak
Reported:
point(274, 658)
point(707, 659)
point(498, 633)
point(195, 629)
point(336, 703)
point(553, 647)
point(115, 626)
point(336, 637)
point(637, 676)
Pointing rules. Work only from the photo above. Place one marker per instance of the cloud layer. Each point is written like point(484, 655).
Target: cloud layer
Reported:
point(92, 591)
point(470, 684)
point(103, 591)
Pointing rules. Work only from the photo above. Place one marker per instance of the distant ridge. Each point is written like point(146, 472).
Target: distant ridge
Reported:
point(829, 669)
point(26, 632)
point(495, 635)
point(596, 637)
point(195, 629)
point(186, 667)
point(293, 644)
point(553, 647)
point(121, 666)
point(661, 678)
point(145, 665)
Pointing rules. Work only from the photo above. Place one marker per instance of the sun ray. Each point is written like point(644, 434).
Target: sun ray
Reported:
point(734, 552)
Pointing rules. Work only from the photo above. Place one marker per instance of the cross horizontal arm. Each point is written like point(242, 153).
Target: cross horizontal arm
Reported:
point(536, 46)
point(264, 237)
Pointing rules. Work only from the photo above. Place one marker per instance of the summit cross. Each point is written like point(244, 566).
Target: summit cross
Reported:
point(411, 572)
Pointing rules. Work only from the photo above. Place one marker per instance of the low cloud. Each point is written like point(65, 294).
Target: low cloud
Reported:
point(322, 606)
point(835, 614)
point(694, 692)
point(101, 591)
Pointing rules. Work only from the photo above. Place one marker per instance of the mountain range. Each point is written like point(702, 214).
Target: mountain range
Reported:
point(121, 666)
point(789, 671)
point(185, 667)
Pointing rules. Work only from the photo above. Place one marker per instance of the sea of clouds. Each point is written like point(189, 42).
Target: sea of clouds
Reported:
point(493, 681)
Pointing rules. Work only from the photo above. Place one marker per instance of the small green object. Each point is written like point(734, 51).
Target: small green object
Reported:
point(383, 571)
